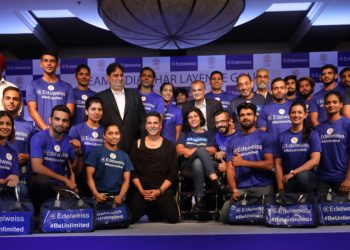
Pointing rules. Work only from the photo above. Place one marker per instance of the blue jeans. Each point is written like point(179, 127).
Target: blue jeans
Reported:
point(201, 165)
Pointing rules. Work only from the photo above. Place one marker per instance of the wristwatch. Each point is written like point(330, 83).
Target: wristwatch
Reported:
point(292, 172)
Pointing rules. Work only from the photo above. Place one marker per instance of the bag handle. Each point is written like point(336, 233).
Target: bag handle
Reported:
point(18, 201)
point(74, 194)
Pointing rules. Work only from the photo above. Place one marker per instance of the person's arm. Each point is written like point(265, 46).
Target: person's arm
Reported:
point(345, 185)
point(92, 185)
point(78, 161)
point(346, 111)
point(266, 164)
point(211, 150)
point(314, 119)
point(178, 130)
point(71, 108)
point(231, 180)
point(39, 168)
point(124, 188)
point(33, 112)
point(22, 158)
point(186, 152)
point(279, 174)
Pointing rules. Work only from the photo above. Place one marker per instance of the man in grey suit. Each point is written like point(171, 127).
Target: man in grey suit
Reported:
point(123, 107)
point(208, 106)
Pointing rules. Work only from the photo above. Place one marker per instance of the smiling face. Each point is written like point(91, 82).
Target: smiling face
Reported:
point(216, 81)
point(194, 120)
point(5, 127)
point(83, 77)
point(11, 101)
point(333, 105)
point(112, 135)
point(94, 112)
point(59, 122)
point(167, 93)
point(198, 91)
point(49, 64)
point(116, 79)
point(153, 125)
point(297, 114)
point(245, 86)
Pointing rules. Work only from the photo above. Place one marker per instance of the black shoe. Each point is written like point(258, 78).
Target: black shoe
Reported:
point(220, 187)
point(200, 205)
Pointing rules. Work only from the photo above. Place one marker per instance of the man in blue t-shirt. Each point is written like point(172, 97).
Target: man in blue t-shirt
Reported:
point(345, 83)
point(306, 86)
point(274, 116)
point(24, 130)
point(216, 82)
point(291, 86)
point(151, 101)
point(329, 76)
point(54, 156)
point(81, 93)
point(48, 91)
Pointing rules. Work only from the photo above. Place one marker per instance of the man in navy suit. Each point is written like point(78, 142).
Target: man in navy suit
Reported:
point(123, 107)
point(208, 106)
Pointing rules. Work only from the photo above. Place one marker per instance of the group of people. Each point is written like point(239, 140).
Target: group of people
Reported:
point(257, 143)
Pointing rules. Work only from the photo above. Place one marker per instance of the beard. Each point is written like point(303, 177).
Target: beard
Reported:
point(247, 126)
point(262, 86)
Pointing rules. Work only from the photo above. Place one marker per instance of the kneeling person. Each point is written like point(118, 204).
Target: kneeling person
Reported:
point(108, 168)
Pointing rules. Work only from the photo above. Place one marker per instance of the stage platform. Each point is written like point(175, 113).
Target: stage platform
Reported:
point(189, 235)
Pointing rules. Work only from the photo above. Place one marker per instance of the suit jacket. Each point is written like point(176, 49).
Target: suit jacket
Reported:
point(132, 126)
point(212, 106)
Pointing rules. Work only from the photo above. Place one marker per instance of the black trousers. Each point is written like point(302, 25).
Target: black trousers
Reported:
point(163, 208)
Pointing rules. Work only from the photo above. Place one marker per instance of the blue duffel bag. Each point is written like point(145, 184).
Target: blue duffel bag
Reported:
point(67, 213)
point(334, 209)
point(16, 214)
point(291, 210)
point(109, 215)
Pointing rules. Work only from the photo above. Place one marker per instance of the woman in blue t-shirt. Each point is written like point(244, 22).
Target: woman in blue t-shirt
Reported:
point(298, 152)
point(198, 146)
point(9, 169)
point(108, 168)
point(90, 135)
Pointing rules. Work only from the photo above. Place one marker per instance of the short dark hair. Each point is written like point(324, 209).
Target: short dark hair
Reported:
point(198, 112)
point(330, 66)
point(153, 113)
point(344, 70)
point(180, 90)
point(290, 77)
point(246, 105)
point(91, 100)
point(14, 89)
point(164, 84)
point(228, 115)
point(82, 66)
point(243, 74)
point(62, 108)
point(112, 67)
point(11, 136)
point(105, 127)
point(277, 79)
point(306, 78)
point(150, 69)
point(50, 53)
point(216, 72)
point(336, 93)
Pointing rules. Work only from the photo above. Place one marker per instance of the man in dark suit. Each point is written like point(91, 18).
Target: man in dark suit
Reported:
point(123, 107)
point(208, 106)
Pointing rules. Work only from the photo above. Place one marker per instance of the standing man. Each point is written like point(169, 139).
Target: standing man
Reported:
point(306, 86)
point(291, 86)
point(24, 130)
point(155, 163)
point(262, 79)
point(54, 157)
point(81, 93)
point(274, 116)
point(345, 83)
point(216, 82)
point(151, 101)
point(123, 107)
point(329, 76)
point(245, 88)
point(3, 83)
point(207, 106)
point(48, 91)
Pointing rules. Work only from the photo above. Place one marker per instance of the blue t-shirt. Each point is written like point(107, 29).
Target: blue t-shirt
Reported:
point(225, 98)
point(109, 168)
point(8, 162)
point(222, 140)
point(55, 154)
point(48, 95)
point(319, 99)
point(251, 147)
point(275, 118)
point(335, 150)
point(152, 102)
point(195, 140)
point(311, 107)
point(89, 138)
point(80, 97)
point(172, 118)
point(293, 151)
point(24, 130)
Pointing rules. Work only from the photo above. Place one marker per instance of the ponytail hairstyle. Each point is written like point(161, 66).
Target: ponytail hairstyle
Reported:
point(306, 128)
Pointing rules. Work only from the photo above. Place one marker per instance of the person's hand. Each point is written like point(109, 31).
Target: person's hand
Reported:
point(237, 160)
point(100, 197)
point(345, 186)
point(76, 145)
point(287, 177)
point(118, 199)
point(71, 184)
point(152, 194)
point(222, 167)
point(235, 194)
point(189, 152)
point(220, 155)
point(22, 158)
point(12, 180)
